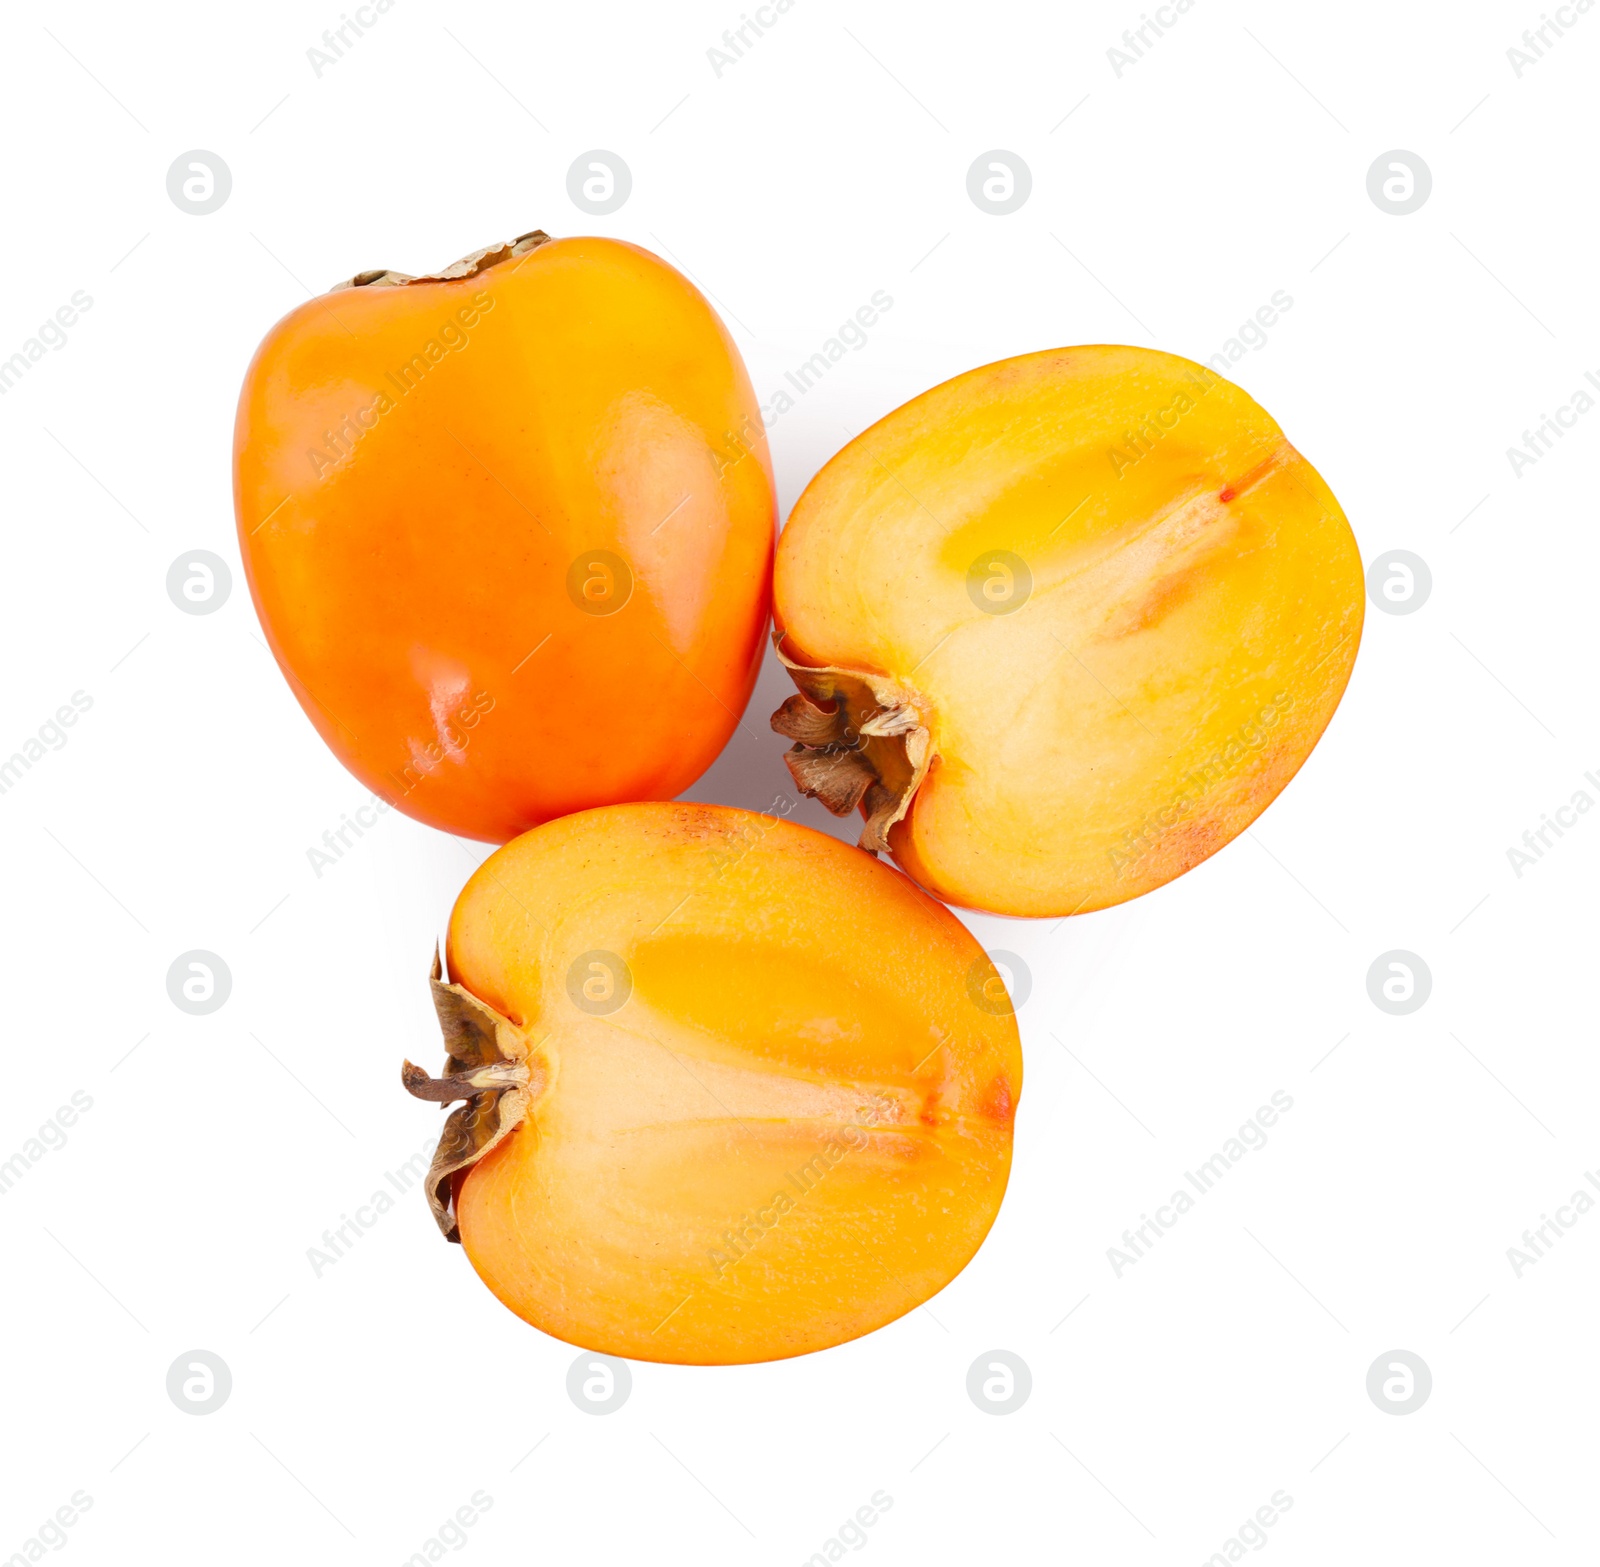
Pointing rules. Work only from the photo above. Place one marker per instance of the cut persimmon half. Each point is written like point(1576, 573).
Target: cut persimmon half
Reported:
point(734, 1090)
point(1063, 626)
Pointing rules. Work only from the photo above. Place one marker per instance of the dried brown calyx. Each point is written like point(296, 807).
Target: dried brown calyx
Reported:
point(489, 1065)
point(861, 740)
point(467, 266)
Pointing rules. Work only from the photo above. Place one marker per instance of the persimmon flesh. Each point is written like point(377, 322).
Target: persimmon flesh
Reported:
point(763, 1085)
point(509, 529)
point(1063, 626)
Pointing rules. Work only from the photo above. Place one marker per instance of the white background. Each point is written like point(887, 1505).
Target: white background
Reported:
point(1167, 205)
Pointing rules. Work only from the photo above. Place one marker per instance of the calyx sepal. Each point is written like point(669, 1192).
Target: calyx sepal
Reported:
point(862, 740)
point(467, 266)
point(489, 1065)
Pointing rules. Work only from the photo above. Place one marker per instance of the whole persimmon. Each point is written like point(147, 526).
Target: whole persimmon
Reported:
point(1063, 626)
point(509, 529)
point(735, 1090)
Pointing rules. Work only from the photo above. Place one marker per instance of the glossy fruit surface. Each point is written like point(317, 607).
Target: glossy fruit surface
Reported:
point(770, 1085)
point(509, 529)
point(1064, 626)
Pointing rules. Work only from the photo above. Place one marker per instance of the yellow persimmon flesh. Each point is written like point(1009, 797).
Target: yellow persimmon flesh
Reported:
point(770, 1085)
point(1078, 616)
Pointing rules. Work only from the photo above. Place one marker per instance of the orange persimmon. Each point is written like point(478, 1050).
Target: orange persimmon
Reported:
point(509, 529)
point(1063, 626)
point(736, 1091)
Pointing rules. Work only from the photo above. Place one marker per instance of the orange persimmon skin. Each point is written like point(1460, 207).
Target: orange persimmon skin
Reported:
point(790, 1123)
point(423, 476)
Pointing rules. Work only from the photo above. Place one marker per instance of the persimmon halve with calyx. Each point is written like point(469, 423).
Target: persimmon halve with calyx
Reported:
point(735, 1091)
point(1063, 626)
point(509, 528)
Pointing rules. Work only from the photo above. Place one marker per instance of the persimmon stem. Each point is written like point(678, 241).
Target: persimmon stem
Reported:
point(463, 1085)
